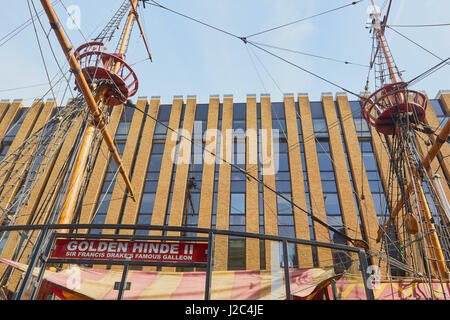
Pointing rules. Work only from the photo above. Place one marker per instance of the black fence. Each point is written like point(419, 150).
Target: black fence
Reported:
point(41, 251)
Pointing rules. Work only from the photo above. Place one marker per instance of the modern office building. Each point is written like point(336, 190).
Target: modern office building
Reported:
point(296, 168)
point(319, 155)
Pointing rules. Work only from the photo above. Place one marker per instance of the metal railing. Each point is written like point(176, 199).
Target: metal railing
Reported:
point(49, 232)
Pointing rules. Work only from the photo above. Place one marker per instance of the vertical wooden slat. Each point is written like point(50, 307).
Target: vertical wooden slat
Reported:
point(119, 193)
point(252, 193)
point(31, 213)
point(22, 134)
point(9, 117)
point(297, 182)
point(268, 175)
point(360, 181)
point(223, 197)
point(314, 180)
point(3, 109)
point(209, 165)
point(22, 163)
point(177, 207)
point(441, 164)
point(343, 183)
point(444, 98)
point(95, 184)
point(131, 211)
point(183, 163)
point(35, 120)
point(167, 163)
point(27, 210)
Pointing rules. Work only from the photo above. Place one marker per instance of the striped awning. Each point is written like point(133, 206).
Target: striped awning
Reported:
point(353, 289)
point(99, 284)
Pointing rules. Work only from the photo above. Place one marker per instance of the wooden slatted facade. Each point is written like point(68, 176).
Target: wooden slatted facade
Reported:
point(213, 206)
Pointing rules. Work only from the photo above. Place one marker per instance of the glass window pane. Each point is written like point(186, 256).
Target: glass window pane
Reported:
point(366, 146)
point(379, 202)
point(327, 175)
point(316, 109)
point(283, 175)
point(283, 205)
point(147, 203)
point(286, 231)
point(237, 203)
point(331, 203)
point(283, 186)
point(238, 186)
point(278, 110)
point(201, 112)
point(369, 161)
point(329, 186)
point(320, 126)
point(437, 107)
point(325, 163)
point(282, 162)
point(361, 125)
point(164, 112)
point(155, 162)
point(323, 147)
point(239, 110)
point(236, 254)
point(150, 186)
point(144, 219)
point(158, 148)
point(237, 220)
point(286, 220)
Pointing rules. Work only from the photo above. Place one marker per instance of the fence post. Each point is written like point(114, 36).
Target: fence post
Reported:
point(33, 261)
point(209, 266)
point(287, 279)
point(364, 268)
point(123, 281)
point(46, 253)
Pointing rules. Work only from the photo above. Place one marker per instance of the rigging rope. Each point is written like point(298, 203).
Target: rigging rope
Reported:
point(303, 19)
point(311, 55)
point(248, 175)
point(244, 39)
point(417, 25)
point(417, 44)
point(13, 33)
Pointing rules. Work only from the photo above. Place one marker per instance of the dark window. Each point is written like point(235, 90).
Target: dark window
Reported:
point(201, 112)
point(316, 109)
point(236, 255)
point(278, 110)
point(437, 107)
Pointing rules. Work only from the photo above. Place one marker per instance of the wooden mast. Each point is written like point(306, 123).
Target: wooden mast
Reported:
point(427, 219)
point(98, 121)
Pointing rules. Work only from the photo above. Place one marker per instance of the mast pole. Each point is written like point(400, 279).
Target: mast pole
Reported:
point(127, 27)
point(98, 121)
point(383, 47)
point(431, 237)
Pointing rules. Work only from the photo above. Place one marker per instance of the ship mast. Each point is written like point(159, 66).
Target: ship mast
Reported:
point(109, 82)
point(396, 111)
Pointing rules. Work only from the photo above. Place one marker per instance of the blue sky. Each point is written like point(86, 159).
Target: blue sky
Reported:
point(190, 59)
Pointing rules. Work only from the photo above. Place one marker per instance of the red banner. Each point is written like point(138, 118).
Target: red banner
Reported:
point(130, 250)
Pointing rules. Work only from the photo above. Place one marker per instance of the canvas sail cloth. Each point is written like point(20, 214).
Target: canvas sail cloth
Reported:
point(350, 289)
point(98, 284)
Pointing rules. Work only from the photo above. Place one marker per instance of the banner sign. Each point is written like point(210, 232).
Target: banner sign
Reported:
point(130, 250)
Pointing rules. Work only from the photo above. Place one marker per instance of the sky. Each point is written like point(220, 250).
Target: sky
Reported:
point(191, 59)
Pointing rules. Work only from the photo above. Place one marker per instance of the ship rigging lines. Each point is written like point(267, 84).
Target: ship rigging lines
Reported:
point(72, 111)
